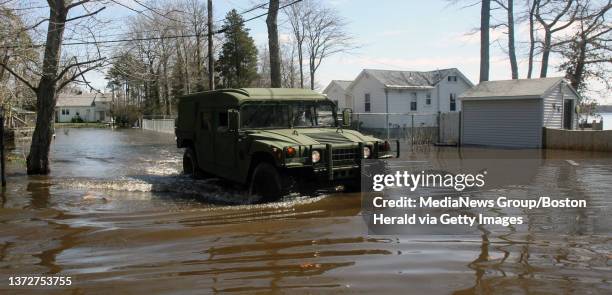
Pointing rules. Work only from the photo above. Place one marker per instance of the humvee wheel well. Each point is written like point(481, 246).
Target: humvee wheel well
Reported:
point(186, 143)
point(257, 158)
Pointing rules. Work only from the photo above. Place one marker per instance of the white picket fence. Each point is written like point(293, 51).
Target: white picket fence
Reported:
point(159, 125)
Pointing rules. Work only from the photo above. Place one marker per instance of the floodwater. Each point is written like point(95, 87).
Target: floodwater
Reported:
point(116, 216)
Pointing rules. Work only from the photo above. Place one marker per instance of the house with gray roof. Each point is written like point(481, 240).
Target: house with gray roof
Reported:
point(404, 93)
point(512, 113)
point(89, 107)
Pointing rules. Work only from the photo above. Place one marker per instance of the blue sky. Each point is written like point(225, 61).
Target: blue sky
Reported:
point(397, 35)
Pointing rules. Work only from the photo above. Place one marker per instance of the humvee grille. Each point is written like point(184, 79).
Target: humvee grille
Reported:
point(345, 156)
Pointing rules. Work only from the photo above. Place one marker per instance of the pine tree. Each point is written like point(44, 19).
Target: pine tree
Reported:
point(238, 59)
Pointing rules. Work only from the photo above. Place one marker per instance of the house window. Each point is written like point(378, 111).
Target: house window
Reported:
point(428, 98)
point(413, 104)
point(452, 78)
point(453, 102)
point(368, 104)
point(414, 95)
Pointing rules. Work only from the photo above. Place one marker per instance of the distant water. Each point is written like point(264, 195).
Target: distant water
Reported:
point(607, 118)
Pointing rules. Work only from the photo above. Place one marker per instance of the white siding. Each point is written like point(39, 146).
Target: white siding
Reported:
point(88, 114)
point(336, 94)
point(443, 90)
point(508, 123)
point(399, 102)
point(553, 108)
point(377, 98)
point(553, 105)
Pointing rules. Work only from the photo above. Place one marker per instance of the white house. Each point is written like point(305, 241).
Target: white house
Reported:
point(336, 91)
point(422, 94)
point(90, 107)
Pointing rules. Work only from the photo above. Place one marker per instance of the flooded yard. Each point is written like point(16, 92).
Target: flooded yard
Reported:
point(117, 216)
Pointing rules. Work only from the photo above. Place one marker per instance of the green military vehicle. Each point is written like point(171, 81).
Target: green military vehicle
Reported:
point(271, 139)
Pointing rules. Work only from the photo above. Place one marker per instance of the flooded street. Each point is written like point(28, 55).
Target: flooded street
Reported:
point(117, 216)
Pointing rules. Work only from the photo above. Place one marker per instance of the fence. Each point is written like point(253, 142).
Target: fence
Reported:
point(159, 125)
point(412, 128)
point(585, 140)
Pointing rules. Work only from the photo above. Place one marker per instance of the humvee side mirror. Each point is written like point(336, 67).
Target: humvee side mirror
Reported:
point(233, 120)
point(347, 117)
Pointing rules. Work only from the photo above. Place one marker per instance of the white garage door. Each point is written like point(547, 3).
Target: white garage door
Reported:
point(505, 123)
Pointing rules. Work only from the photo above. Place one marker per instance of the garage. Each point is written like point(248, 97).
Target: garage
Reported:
point(512, 113)
point(502, 123)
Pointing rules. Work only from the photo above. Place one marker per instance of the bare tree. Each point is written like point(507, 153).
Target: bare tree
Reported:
point(587, 53)
point(297, 15)
point(549, 14)
point(273, 44)
point(508, 6)
point(54, 77)
point(532, 38)
point(326, 35)
point(485, 18)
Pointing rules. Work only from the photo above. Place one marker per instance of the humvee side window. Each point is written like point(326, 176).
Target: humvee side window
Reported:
point(205, 124)
point(264, 116)
point(222, 122)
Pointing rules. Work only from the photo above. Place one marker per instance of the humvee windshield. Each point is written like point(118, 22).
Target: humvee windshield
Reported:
point(288, 115)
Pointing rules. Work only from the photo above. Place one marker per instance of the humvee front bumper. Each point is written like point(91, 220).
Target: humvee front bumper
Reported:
point(337, 162)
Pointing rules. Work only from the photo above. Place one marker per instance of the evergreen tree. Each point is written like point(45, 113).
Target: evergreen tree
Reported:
point(238, 59)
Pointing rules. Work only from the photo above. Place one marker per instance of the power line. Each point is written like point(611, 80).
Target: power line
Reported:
point(151, 38)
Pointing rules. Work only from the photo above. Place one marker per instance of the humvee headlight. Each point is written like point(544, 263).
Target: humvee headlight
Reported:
point(316, 156)
point(366, 152)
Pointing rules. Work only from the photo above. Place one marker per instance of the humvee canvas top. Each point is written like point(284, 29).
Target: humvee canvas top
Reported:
point(235, 97)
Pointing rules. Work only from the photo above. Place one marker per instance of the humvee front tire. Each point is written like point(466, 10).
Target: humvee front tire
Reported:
point(190, 163)
point(266, 183)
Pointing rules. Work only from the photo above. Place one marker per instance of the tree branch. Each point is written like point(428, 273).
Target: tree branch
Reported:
point(86, 15)
point(75, 4)
point(23, 80)
point(77, 64)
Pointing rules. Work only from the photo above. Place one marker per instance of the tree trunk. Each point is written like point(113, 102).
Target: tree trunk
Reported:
point(211, 58)
point(199, 70)
point(312, 73)
point(271, 21)
point(485, 15)
point(531, 38)
point(301, 63)
point(38, 158)
point(545, 53)
point(166, 87)
point(511, 48)
point(578, 73)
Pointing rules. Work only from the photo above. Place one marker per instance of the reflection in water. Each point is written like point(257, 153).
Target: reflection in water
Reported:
point(117, 215)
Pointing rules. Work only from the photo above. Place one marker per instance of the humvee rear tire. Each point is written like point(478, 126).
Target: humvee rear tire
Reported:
point(266, 184)
point(190, 163)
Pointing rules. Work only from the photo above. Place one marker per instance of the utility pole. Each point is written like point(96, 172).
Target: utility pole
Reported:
point(275, 65)
point(211, 58)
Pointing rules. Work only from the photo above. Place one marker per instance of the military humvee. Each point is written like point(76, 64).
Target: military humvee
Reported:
point(271, 138)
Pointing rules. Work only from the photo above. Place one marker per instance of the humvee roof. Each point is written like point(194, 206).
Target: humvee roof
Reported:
point(235, 97)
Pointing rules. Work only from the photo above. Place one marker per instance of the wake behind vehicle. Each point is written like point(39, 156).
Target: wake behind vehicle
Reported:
point(271, 139)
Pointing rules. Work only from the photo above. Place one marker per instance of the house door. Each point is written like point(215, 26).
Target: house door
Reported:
point(568, 106)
